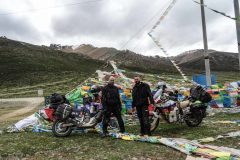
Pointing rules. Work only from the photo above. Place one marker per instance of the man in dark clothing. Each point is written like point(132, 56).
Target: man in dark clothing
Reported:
point(142, 97)
point(111, 105)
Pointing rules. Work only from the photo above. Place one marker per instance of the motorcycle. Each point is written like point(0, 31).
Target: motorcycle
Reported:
point(191, 110)
point(68, 119)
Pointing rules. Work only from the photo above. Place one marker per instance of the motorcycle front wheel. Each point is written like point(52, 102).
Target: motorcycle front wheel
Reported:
point(154, 122)
point(60, 131)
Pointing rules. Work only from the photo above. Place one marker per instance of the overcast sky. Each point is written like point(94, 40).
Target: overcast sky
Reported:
point(111, 23)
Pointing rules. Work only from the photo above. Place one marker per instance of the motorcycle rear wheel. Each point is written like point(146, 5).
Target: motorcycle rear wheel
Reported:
point(59, 131)
point(193, 121)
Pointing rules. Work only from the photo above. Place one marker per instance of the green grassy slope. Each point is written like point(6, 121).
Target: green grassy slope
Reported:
point(23, 64)
point(25, 68)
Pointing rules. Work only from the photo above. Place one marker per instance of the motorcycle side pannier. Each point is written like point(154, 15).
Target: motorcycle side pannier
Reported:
point(63, 111)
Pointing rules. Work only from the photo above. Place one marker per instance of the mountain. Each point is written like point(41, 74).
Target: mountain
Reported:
point(91, 51)
point(190, 60)
point(125, 58)
point(219, 61)
point(137, 62)
point(25, 68)
point(26, 64)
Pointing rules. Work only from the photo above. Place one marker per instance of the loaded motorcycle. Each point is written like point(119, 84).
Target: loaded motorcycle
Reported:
point(191, 110)
point(68, 119)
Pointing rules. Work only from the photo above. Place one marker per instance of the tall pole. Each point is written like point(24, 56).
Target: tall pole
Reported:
point(205, 42)
point(236, 8)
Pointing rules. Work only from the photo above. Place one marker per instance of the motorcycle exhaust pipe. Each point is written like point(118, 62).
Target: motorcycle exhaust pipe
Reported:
point(67, 125)
point(91, 123)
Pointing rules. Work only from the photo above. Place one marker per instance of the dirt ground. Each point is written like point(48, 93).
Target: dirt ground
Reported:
point(25, 105)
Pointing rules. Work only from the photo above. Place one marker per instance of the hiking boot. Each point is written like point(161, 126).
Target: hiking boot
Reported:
point(123, 132)
point(141, 134)
point(104, 135)
point(149, 134)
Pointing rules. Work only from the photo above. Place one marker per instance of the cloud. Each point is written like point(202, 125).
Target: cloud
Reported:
point(19, 29)
point(117, 20)
point(112, 23)
point(182, 28)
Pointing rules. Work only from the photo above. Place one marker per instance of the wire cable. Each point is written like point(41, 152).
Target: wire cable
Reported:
point(51, 7)
point(141, 29)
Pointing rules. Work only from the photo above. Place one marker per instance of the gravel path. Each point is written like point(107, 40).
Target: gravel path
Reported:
point(32, 103)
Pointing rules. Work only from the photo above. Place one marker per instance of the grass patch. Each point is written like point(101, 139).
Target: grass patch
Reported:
point(91, 146)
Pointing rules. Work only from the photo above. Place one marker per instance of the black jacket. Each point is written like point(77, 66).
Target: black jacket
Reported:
point(140, 94)
point(110, 96)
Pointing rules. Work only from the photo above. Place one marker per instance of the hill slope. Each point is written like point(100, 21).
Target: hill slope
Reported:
point(26, 64)
point(125, 58)
point(91, 51)
point(190, 60)
point(219, 61)
point(137, 62)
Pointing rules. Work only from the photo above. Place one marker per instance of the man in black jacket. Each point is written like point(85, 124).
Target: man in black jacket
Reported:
point(142, 97)
point(111, 105)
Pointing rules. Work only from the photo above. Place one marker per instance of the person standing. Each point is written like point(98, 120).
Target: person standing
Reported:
point(111, 105)
point(142, 98)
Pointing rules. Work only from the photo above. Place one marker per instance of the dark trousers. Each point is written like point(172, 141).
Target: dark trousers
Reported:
point(106, 118)
point(142, 113)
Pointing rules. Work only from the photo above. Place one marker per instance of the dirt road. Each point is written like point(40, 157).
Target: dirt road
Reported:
point(31, 104)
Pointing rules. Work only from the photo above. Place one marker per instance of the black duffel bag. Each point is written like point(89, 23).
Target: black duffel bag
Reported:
point(56, 99)
point(200, 94)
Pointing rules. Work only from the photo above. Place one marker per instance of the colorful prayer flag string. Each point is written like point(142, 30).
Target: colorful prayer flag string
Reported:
point(158, 43)
point(216, 11)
